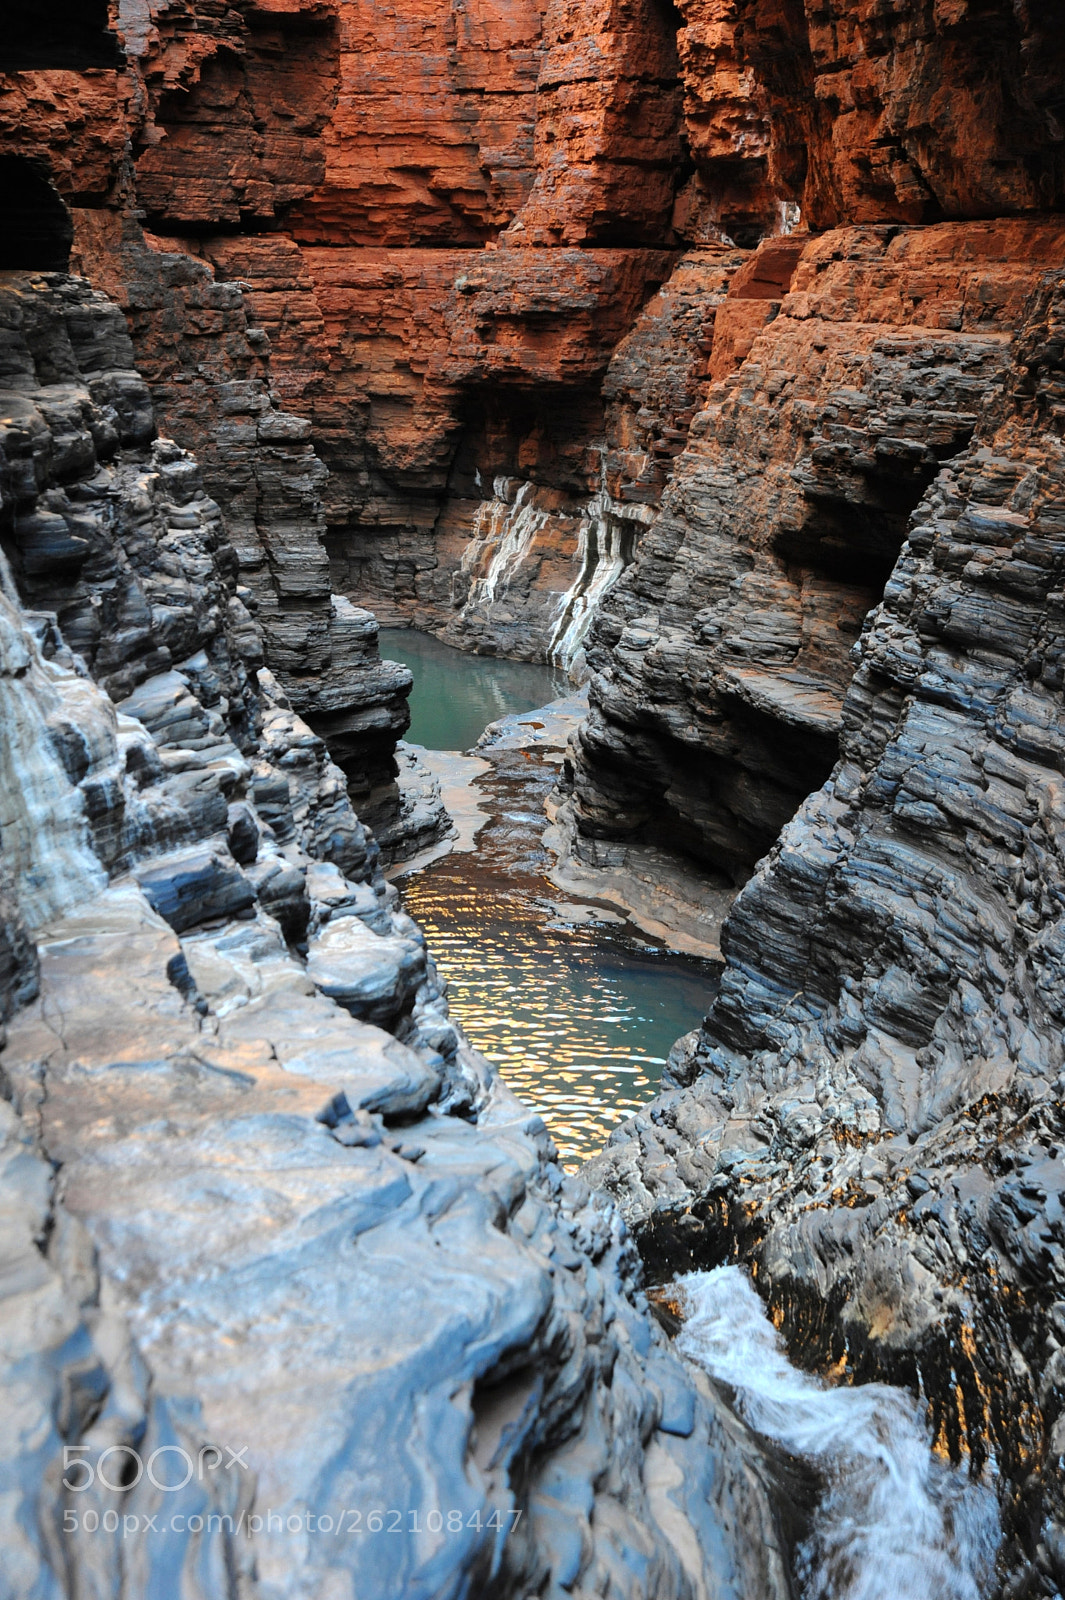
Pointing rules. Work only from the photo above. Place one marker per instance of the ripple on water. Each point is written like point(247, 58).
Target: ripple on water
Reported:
point(578, 1020)
point(577, 1017)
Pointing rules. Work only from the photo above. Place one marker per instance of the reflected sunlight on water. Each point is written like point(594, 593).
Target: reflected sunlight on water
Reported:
point(579, 1019)
point(578, 1016)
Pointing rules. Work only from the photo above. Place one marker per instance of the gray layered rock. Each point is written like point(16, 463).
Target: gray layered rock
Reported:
point(721, 657)
point(116, 534)
point(297, 1300)
point(428, 1329)
point(872, 1112)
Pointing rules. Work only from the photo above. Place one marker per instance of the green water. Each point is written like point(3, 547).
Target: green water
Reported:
point(456, 695)
point(578, 1015)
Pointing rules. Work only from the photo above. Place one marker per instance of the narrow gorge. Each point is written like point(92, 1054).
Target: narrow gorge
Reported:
point(663, 405)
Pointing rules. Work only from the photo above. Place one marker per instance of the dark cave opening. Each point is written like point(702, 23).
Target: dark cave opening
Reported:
point(39, 35)
point(847, 543)
point(38, 231)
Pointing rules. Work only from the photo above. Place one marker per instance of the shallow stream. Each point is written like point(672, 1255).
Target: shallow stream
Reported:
point(892, 1521)
point(576, 1008)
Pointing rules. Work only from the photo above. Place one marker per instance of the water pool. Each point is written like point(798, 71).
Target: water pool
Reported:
point(577, 1011)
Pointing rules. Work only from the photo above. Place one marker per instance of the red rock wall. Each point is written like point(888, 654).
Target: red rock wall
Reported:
point(431, 142)
point(437, 224)
point(608, 134)
point(235, 137)
point(870, 112)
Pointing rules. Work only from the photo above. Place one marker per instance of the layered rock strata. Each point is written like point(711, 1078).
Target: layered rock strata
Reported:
point(722, 656)
point(871, 1114)
point(481, 265)
point(864, 113)
point(237, 1123)
point(286, 169)
point(306, 150)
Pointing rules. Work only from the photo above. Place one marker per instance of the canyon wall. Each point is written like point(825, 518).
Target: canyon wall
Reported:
point(716, 350)
point(869, 1116)
point(872, 1111)
point(425, 236)
point(430, 233)
point(283, 1257)
point(723, 654)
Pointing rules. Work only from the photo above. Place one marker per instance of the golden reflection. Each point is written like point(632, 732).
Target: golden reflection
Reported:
point(578, 1026)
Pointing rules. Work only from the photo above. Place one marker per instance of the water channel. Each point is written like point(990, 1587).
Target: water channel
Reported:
point(576, 1008)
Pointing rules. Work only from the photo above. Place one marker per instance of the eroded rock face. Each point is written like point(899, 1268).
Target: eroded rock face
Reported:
point(264, 1210)
point(312, 154)
point(869, 113)
point(383, 155)
point(873, 1108)
point(458, 309)
point(722, 656)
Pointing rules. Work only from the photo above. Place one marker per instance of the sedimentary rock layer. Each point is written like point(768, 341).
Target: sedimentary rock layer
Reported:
point(873, 1107)
point(722, 655)
point(245, 1158)
point(277, 143)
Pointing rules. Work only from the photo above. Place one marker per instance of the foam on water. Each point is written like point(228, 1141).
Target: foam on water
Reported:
point(894, 1522)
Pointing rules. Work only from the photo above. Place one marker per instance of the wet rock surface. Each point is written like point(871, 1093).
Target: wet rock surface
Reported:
point(255, 1215)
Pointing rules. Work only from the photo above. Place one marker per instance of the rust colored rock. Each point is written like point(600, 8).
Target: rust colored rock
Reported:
point(866, 113)
point(608, 143)
point(405, 342)
point(736, 326)
point(768, 273)
point(238, 137)
point(657, 376)
point(431, 141)
point(736, 189)
point(73, 123)
point(754, 298)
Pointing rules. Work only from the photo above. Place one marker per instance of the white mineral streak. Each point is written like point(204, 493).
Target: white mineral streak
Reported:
point(601, 560)
point(504, 531)
point(894, 1521)
point(44, 834)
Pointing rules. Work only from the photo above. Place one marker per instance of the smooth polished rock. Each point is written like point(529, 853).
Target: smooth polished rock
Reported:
point(194, 885)
point(369, 975)
point(289, 1271)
